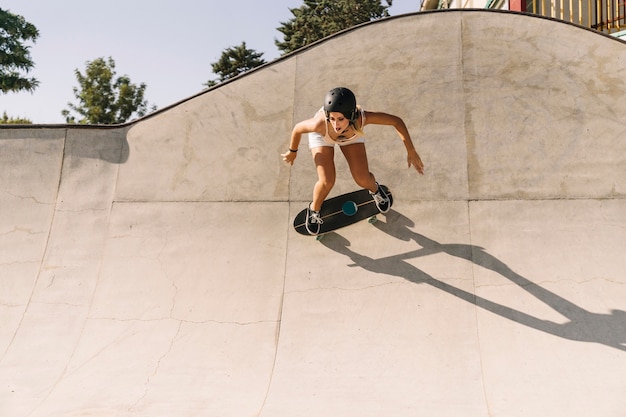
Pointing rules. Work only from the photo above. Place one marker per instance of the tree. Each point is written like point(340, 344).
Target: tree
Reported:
point(14, 54)
point(234, 61)
point(103, 98)
point(317, 19)
point(6, 120)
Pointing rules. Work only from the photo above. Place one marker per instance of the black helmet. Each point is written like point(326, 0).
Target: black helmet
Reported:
point(341, 100)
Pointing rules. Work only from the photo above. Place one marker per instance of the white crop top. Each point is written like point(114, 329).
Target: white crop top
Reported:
point(343, 141)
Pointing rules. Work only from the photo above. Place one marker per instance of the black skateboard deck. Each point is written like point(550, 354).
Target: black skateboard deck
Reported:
point(343, 210)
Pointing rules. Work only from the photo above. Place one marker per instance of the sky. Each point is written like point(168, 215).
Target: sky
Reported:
point(168, 45)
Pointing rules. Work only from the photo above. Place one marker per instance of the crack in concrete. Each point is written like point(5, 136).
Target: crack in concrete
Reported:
point(132, 408)
point(345, 288)
point(557, 281)
point(184, 321)
point(21, 197)
point(18, 229)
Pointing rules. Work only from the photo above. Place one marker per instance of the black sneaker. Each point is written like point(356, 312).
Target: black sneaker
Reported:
point(381, 199)
point(313, 221)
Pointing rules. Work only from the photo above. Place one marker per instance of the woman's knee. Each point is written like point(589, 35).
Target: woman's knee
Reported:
point(326, 180)
point(325, 166)
point(363, 179)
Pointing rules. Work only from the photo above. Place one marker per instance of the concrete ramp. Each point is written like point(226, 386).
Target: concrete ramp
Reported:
point(151, 269)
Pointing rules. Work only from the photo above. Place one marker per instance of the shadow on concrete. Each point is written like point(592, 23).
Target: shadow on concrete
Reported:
point(112, 148)
point(583, 325)
point(104, 143)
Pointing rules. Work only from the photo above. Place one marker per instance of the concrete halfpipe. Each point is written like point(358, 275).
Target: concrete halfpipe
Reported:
point(151, 269)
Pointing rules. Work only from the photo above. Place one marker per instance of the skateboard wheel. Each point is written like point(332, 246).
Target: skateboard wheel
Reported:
point(372, 219)
point(319, 237)
point(349, 208)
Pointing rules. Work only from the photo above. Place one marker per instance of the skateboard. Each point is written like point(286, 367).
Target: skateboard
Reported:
point(343, 210)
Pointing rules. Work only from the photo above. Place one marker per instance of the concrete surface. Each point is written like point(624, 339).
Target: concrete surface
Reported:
point(152, 270)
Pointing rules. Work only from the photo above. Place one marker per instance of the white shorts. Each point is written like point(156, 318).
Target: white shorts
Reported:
point(316, 140)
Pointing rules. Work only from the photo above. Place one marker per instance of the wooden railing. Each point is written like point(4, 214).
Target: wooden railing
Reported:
point(604, 15)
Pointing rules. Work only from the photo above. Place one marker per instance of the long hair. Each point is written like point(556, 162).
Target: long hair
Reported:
point(358, 128)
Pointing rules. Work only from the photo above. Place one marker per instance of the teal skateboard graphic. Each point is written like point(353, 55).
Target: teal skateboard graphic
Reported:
point(342, 211)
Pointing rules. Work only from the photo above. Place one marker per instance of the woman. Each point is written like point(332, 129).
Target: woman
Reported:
point(340, 122)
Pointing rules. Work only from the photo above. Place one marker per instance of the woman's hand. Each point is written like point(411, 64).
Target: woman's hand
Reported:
point(413, 159)
point(289, 157)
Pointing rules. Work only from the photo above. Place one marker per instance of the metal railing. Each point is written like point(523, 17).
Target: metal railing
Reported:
point(604, 15)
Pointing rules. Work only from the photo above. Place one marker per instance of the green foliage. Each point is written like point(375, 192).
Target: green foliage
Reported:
point(14, 54)
point(317, 19)
point(103, 98)
point(6, 120)
point(234, 61)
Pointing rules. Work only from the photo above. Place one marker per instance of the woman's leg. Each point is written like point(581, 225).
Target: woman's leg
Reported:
point(325, 165)
point(359, 168)
point(357, 160)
